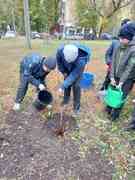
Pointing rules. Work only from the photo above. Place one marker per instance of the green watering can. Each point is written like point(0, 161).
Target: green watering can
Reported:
point(114, 97)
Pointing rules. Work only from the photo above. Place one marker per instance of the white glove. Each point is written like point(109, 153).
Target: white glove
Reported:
point(60, 90)
point(16, 107)
point(49, 106)
point(41, 87)
point(119, 86)
point(113, 82)
point(133, 100)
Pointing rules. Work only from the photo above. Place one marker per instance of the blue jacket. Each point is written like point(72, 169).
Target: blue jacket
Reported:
point(32, 68)
point(73, 70)
point(110, 51)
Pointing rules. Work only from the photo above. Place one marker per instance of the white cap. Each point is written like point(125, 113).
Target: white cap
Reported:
point(70, 53)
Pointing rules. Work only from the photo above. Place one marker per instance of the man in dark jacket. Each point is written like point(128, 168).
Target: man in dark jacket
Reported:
point(109, 56)
point(123, 65)
point(33, 69)
point(71, 60)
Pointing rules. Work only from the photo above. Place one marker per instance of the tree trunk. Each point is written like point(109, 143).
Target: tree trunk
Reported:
point(27, 23)
point(102, 25)
point(100, 30)
point(13, 20)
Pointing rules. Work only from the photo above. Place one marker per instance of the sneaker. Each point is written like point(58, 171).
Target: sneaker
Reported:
point(16, 107)
point(108, 110)
point(76, 113)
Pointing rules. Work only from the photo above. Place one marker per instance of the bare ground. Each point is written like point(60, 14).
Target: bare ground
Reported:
point(29, 146)
point(30, 150)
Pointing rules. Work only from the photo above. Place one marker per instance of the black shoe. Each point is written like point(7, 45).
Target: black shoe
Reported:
point(113, 118)
point(115, 114)
point(131, 126)
point(108, 110)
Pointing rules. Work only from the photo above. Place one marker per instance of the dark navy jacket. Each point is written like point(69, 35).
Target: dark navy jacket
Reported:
point(32, 69)
point(110, 51)
point(74, 69)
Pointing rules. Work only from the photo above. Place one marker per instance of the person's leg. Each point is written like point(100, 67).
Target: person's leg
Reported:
point(77, 92)
point(127, 87)
point(133, 117)
point(106, 82)
point(131, 125)
point(108, 109)
point(76, 95)
point(115, 113)
point(67, 93)
point(22, 89)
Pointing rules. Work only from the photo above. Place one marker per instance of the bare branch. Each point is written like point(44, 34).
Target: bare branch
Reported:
point(119, 4)
point(114, 3)
point(94, 6)
point(126, 4)
point(118, 7)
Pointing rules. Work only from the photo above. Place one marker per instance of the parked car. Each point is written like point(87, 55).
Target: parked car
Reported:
point(89, 36)
point(75, 36)
point(106, 36)
point(35, 35)
point(79, 36)
point(10, 34)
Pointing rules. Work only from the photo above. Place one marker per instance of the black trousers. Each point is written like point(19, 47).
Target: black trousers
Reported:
point(76, 94)
point(126, 88)
point(106, 82)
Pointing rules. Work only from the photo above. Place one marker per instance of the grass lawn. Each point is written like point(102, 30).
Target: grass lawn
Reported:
point(97, 133)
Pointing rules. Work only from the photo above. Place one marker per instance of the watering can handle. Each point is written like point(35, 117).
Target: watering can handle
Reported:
point(116, 88)
point(113, 87)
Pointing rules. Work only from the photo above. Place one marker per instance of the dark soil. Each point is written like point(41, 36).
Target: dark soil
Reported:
point(30, 150)
point(59, 126)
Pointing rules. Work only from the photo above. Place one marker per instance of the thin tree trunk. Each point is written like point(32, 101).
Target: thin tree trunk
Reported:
point(13, 20)
point(27, 23)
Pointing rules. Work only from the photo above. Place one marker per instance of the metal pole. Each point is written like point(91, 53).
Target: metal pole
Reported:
point(27, 23)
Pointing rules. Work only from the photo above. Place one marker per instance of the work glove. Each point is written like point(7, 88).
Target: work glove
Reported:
point(119, 86)
point(41, 87)
point(16, 107)
point(113, 83)
point(60, 91)
point(49, 106)
point(133, 101)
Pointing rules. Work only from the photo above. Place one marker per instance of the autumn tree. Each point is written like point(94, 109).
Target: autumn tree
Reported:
point(106, 10)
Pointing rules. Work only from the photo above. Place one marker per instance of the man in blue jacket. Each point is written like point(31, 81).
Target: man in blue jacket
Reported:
point(33, 70)
point(71, 60)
